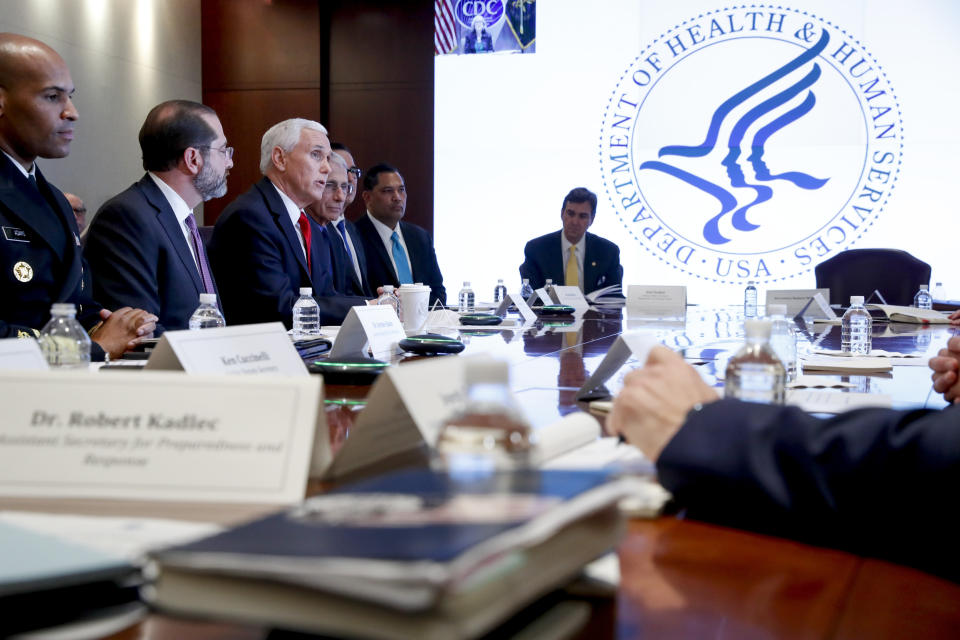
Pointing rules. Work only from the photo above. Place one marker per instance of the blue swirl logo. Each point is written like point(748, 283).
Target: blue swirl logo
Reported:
point(800, 144)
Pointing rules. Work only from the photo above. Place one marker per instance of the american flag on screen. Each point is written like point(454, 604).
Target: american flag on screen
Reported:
point(444, 27)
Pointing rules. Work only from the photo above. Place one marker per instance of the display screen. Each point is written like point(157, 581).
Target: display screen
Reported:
point(725, 143)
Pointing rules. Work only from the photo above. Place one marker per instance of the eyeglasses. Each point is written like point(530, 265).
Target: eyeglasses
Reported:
point(330, 187)
point(227, 151)
point(355, 172)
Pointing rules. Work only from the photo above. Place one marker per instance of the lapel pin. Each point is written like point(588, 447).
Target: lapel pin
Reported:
point(23, 271)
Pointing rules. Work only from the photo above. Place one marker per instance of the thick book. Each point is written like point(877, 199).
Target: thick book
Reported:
point(414, 554)
point(47, 582)
point(912, 315)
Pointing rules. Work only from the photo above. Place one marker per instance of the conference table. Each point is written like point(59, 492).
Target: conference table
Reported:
point(682, 578)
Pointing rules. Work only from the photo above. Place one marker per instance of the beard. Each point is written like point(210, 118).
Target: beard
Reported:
point(209, 184)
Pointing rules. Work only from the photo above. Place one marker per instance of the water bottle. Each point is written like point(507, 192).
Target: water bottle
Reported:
point(63, 341)
point(755, 373)
point(466, 298)
point(783, 338)
point(390, 297)
point(489, 432)
point(938, 293)
point(526, 290)
point(856, 328)
point(500, 291)
point(750, 301)
point(207, 315)
point(923, 299)
point(306, 315)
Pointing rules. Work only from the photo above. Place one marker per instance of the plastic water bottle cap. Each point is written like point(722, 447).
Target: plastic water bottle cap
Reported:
point(487, 370)
point(62, 308)
point(757, 328)
point(208, 298)
point(388, 288)
point(776, 309)
point(856, 299)
point(924, 287)
point(466, 284)
point(306, 291)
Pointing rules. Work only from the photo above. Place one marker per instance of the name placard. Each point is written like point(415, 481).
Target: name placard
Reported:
point(159, 436)
point(633, 344)
point(241, 350)
point(571, 296)
point(818, 309)
point(795, 299)
point(376, 325)
point(22, 354)
point(517, 300)
point(405, 409)
point(657, 301)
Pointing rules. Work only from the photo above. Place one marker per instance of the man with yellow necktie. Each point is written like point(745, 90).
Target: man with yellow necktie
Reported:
point(572, 256)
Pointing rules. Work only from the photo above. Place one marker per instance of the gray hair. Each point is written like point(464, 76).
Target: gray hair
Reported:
point(337, 159)
point(285, 135)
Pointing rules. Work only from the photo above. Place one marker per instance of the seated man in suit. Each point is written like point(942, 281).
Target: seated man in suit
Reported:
point(875, 481)
point(353, 171)
point(346, 250)
point(397, 252)
point(264, 249)
point(572, 256)
point(143, 245)
point(39, 244)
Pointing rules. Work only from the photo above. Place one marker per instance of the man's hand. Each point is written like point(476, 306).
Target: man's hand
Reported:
point(955, 317)
point(946, 370)
point(655, 401)
point(123, 329)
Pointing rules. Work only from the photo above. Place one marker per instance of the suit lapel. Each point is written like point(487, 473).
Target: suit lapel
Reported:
point(590, 272)
point(558, 266)
point(360, 253)
point(72, 258)
point(414, 248)
point(168, 220)
point(380, 249)
point(21, 198)
point(282, 220)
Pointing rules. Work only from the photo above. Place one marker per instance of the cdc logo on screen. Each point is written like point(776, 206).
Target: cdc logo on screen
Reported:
point(490, 10)
point(751, 143)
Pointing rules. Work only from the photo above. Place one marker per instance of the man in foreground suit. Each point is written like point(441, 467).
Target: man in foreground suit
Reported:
point(397, 252)
point(346, 249)
point(572, 256)
point(876, 481)
point(143, 245)
point(39, 244)
point(264, 248)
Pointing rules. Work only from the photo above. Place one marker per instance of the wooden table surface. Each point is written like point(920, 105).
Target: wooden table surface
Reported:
point(687, 579)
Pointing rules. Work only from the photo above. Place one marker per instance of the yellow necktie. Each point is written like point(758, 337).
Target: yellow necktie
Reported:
point(573, 273)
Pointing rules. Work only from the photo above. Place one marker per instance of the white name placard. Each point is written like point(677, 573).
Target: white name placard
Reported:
point(657, 301)
point(571, 296)
point(376, 325)
point(405, 410)
point(795, 299)
point(246, 349)
point(544, 295)
point(632, 344)
point(522, 307)
point(818, 308)
point(159, 436)
point(22, 354)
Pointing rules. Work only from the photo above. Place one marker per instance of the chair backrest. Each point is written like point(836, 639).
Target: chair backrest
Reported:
point(206, 232)
point(894, 273)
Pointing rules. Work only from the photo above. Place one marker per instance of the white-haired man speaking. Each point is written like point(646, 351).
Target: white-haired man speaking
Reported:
point(264, 247)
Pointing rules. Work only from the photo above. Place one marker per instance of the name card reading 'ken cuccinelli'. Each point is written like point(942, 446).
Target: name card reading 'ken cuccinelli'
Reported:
point(243, 350)
point(158, 436)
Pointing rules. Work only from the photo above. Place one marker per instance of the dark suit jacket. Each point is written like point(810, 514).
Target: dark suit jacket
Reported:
point(29, 220)
point(423, 258)
point(345, 275)
point(141, 259)
point(543, 258)
point(260, 267)
point(874, 481)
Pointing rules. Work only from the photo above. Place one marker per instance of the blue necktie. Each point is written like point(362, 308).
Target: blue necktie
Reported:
point(341, 227)
point(400, 257)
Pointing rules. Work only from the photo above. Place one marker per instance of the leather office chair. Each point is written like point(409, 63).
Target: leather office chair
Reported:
point(896, 274)
point(206, 232)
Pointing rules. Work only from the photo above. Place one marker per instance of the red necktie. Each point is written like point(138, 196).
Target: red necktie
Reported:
point(305, 230)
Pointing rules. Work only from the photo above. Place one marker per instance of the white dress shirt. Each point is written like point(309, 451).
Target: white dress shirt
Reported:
point(181, 211)
point(386, 233)
point(26, 174)
point(294, 212)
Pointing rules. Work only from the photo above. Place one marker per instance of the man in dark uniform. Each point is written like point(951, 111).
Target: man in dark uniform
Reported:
point(40, 255)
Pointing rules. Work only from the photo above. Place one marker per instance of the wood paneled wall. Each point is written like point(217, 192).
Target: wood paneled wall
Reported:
point(364, 68)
